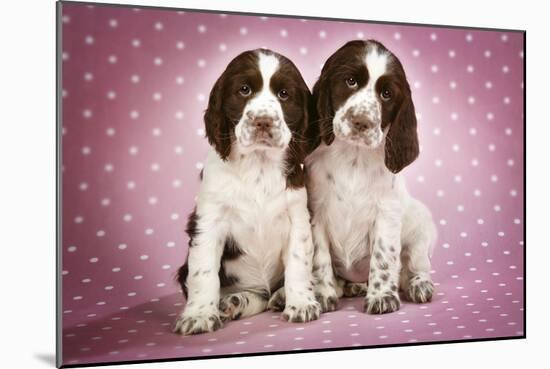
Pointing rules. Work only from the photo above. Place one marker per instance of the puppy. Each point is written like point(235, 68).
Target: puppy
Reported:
point(250, 229)
point(370, 236)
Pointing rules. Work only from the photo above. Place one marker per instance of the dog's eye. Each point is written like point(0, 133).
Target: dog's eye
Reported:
point(351, 82)
point(283, 95)
point(386, 94)
point(245, 90)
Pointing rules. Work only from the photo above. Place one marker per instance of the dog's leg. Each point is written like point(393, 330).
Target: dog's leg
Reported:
point(201, 312)
point(242, 304)
point(298, 259)
point(382, 295)
point(417, 238)
point(327, 290)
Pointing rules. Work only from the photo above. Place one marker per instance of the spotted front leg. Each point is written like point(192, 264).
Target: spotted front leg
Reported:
point(382, 290)
point(326, 288)
point(201, 312)
point(300, 304)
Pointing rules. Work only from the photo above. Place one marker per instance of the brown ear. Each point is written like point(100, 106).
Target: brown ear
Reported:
point(217, 126)
point(299, 147)
point(322, 110)
point(401, 147)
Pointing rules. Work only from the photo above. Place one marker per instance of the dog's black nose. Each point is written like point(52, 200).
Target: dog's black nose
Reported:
point(263, 123)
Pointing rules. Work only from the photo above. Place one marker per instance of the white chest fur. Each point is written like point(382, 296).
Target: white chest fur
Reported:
point(347, 186)
point(248, 195)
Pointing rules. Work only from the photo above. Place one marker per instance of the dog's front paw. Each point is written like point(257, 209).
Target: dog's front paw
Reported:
point(302, 312)
point(382, 303)
point(420, 290)
point(277, 300)
point(327, 297)
point(354, 289)
point(198, 322)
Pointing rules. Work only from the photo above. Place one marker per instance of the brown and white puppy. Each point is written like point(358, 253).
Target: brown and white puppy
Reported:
point(250, 229)
point(370, 236)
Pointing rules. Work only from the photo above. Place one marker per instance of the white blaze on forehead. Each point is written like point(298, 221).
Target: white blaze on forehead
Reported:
point(268, 65)
point(376, 62)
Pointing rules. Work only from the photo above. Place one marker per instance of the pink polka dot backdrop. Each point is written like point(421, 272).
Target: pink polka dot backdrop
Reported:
point(134, 87)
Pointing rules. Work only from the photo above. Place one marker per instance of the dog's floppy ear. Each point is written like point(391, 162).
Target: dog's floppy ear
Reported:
point(322, 109)
point(299, 146)
point(401, 147)
point(216, 124)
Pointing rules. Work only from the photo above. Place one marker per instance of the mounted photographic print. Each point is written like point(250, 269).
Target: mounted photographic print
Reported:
point(239, 184)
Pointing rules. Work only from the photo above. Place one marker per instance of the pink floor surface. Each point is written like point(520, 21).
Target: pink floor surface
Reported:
point(135, 84)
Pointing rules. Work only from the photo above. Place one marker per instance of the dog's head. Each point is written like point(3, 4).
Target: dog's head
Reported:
point(259, 103)
point(363, 97)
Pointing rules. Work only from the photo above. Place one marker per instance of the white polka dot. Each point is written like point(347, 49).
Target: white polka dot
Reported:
point(180, 45)
point(201, 28)
point(134, 78)
point(87, 113)
point(136, 42)
point(452, 54)
point(159, 26)
point(322, 34)
point(283, 33)
point(122, 246)
point(157, 61)
point(94, 260)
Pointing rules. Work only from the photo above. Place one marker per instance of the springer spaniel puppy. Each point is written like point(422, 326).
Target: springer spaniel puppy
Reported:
point(251, 229)
point(370, 237)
